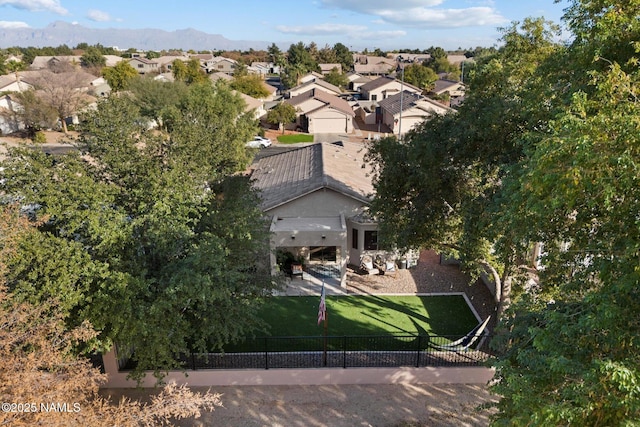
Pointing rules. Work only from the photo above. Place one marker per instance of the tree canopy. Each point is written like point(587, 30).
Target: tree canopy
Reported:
point(120, 75)
point(155, 240)
point(543, 153)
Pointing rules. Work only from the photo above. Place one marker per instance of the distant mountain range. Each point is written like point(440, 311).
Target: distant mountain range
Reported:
point(59, 33)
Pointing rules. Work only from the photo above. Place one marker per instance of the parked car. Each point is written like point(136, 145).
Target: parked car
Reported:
point(259, 142)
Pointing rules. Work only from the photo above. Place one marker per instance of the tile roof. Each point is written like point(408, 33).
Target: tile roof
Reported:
point(444, 84)
point(324, 97)
point(392, 103)
point(318, 82)
point(290, 175)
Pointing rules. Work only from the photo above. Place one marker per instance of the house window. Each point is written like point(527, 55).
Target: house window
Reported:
point(140, 66)
point(220, 67)
point(354, 238)
point(374, 97)
point(371, 240)
point(323, 253)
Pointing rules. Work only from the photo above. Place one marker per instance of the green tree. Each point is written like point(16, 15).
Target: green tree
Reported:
point(453, 167)
point(250, 84)
point(544, 151)
point(327, 55)
point(120, 75)
point(281, 114)
point(35, 344)
point(300, 62)
point(157, 100)
point(92, 58)
point(419, 76)
point(161, 246)
point(190, 72)
point(343, 56)
point(33, 113)
point(337, 78)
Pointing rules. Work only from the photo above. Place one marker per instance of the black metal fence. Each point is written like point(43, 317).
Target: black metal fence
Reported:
point(338, 352)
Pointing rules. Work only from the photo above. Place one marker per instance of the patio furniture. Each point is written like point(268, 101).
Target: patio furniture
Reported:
point(296, 270)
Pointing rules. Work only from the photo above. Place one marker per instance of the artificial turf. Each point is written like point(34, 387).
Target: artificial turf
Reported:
point(445, 315)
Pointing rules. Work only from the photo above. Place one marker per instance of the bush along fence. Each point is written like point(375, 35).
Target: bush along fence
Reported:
point(339, 352)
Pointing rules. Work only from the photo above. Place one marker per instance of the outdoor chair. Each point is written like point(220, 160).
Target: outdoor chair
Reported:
point(367, 267)
point(296, 270)
point(390, 268)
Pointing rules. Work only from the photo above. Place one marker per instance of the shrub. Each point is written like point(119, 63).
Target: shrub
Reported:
point(39, 137)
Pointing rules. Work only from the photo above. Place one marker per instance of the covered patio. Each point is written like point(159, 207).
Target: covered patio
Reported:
point(319, 245)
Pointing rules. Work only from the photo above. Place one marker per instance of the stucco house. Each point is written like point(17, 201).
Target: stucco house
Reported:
point(314, 84)
point(144, 65)
point(8, 120)
point(384, 87)
point(373, 65)
point(316, 197)
point(14, 82)
point(220, 64)
point(356, 80)
point(403, 111)
point(253, 105)
point(320, 112)
point(309, 77)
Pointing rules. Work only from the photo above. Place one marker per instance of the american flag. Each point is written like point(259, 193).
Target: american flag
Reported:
point(322, 309)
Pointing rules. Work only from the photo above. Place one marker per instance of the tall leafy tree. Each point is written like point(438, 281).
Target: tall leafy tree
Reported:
point(419, 75)
point(93, 58)
point(545, 151)
point(337, 78)
point(250, 84)
point(343, 56)
point(120, 75)
point(281, 114)
point(159, 245)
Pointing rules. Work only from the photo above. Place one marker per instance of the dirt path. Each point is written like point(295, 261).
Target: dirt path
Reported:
point(416, 405)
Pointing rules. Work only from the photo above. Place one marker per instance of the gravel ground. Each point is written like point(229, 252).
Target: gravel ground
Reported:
point(428, 276)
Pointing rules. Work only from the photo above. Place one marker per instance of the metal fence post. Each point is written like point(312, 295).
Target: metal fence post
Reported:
point(344, 352)
point(418, 352)
point(266, 354)
point(193, 361)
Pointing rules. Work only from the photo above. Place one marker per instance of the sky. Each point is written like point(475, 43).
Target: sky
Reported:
point(358, 24)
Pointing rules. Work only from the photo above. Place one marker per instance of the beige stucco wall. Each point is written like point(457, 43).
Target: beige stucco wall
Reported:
point(324, 202)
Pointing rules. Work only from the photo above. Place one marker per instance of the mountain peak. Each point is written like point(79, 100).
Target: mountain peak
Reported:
point(61, 32)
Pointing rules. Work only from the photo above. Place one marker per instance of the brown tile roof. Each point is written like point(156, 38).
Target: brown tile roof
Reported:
point(290, 175)
point(321, 83)
point(324, 97)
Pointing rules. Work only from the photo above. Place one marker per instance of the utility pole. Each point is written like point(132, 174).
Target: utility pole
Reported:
point(401, 99)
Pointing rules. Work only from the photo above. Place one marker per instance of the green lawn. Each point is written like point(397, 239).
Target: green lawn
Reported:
point(295, 138)
point(361, 315)
point(370, 315)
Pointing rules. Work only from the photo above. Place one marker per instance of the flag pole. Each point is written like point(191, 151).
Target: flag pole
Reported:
point(324, 352)
point(322, 317)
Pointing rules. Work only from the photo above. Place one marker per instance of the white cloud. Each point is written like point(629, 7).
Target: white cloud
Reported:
point(373, 6)
point(422, 13)
point(13, 24)
point(443, 18)
point(321, 29)
point(98, 15)
point(378, 35)
point(36, 5)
